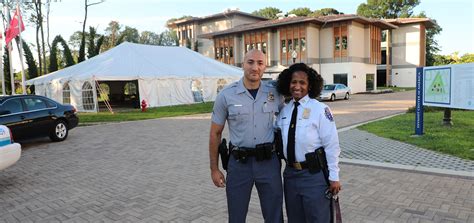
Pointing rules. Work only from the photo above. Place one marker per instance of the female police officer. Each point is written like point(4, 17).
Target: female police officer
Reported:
point(306, 125)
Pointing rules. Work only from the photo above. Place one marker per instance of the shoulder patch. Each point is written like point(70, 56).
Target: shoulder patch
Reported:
point(328, 114)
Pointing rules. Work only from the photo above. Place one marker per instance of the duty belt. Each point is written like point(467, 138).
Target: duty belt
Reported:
point(260, 152)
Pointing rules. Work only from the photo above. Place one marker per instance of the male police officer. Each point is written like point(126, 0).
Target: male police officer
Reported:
point(249, 106)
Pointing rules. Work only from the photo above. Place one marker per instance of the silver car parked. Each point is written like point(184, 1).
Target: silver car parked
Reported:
point(335, 91)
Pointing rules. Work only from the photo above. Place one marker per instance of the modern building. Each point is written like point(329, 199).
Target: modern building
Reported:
point(405, 48)
point(189, 29)
point(344, 49)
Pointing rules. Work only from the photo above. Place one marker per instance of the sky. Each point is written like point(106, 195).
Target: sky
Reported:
point(456, 17)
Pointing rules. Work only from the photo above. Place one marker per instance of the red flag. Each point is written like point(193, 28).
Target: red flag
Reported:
point(13, 30)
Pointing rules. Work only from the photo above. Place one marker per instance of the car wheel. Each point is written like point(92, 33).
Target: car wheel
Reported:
point(347, 96)
point(60, 131)
point(333, 97)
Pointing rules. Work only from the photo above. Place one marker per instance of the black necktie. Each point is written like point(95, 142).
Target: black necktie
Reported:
point(290, 149)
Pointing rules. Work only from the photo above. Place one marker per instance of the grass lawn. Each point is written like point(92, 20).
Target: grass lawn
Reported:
point(457, 140)
point(136, 114)
point(397, 89)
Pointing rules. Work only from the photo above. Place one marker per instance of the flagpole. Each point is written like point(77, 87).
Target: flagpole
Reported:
point(1, 66)
point(9, 47)
point(12, 75)
point(20, 51)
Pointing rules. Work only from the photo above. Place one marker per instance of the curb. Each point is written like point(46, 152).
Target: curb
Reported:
point(409, 168)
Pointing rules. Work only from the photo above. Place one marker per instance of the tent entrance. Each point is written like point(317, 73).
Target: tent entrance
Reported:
point(119, 94)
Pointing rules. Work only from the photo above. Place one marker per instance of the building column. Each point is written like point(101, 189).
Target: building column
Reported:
point(388, 59)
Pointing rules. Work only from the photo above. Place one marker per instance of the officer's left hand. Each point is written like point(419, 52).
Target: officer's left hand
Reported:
point(335, 187)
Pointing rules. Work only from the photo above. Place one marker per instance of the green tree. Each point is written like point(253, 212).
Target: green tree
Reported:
point(150, 38)
point(99, 44)
point(91, 42)
point(268, 12)
point(112, 34)
point(129, 34)
point(301, 11)
point(467, 58)
point(30, 61)
point(387, 9)
point(453, 59)
point(6, 71)
point(53, 57)
point(168, 38)
point(325, 12)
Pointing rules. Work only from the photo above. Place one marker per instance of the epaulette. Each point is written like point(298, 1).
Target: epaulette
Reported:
point(229, 86)
point(271, 83)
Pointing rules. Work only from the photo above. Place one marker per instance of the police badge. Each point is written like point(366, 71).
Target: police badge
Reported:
point(270, 97)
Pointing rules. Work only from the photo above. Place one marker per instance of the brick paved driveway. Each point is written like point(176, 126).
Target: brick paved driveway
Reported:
point(157, 171)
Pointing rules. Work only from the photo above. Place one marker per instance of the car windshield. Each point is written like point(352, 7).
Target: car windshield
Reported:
point(329, 87)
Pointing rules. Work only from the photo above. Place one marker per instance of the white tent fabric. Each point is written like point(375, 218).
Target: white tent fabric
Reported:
point(165, 75)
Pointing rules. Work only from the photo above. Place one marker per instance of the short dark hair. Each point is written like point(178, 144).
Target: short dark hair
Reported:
point(315, 81)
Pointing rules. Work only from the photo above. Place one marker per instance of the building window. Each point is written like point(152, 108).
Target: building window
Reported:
point(264, 48)
point(256, 39)
point(340, 79)
point(224, 49)
point(88, 97)
point(344, 42)
point(303, 44)
point(340, 40)
point(293, 43)
point(384, 57)
point(66, 94)
point(384, 36)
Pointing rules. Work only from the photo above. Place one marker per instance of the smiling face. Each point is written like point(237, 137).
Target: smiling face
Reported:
point(299, 85)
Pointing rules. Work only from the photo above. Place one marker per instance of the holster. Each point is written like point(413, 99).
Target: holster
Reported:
point(323, 163)
point(224, 153)
point(312, 162)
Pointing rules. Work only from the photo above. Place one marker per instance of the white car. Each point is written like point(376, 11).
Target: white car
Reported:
point(10, 152)
point(332, 92)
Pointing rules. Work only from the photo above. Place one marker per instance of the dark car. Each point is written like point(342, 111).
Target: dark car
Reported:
point(30, 116)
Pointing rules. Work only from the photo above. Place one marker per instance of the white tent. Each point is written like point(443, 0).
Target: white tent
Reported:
point(165, 76)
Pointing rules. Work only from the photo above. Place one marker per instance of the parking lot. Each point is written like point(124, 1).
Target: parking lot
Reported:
point(158, 171)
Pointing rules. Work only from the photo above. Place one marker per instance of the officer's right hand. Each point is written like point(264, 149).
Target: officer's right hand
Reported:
point(218, 178)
